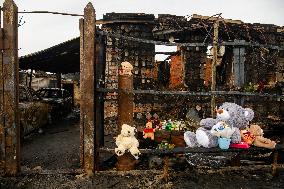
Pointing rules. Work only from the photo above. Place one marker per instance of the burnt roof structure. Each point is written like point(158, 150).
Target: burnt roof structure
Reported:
point(64, 57)
point(61, 58)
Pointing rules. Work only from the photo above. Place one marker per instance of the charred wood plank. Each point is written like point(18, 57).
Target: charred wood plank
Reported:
point(214, 63)
point(103, 21)
point(189, 93)
point(2, 132)
point(179, 150)
point(226, 43)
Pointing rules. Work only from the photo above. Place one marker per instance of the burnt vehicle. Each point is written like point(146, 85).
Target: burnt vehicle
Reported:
point(59, 100)
point(34, 114)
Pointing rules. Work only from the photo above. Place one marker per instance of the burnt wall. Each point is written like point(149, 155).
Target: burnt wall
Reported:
point(260, 64)
point(194, 60)
point(140, 55)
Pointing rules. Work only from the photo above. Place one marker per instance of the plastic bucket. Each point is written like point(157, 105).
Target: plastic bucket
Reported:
point(224, 143)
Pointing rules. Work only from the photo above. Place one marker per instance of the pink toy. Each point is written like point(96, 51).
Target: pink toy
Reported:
point(239, 145)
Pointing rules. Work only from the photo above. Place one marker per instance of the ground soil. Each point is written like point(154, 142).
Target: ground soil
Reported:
point(56, 148)
point(51, 160)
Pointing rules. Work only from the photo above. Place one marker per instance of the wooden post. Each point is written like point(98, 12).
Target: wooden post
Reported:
point(2, 133)
point(100, 76)
point(81, 27)
point(239, 64)
point(239, 70)
point(31, 79)
point(214, 62)
point(11, 88)
point(166, 169)
point(274, 164)
point(87, 89)
point(183, 62)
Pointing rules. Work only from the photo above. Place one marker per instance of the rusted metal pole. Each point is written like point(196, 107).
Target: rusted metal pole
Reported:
point(125, 162)
point(11, 88)
point(214, 62)
point(87, 82)
point(125, 100)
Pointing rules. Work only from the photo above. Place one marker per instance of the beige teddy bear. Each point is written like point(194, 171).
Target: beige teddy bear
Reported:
point(259, 140)
point(126, 68)
point(126, 141)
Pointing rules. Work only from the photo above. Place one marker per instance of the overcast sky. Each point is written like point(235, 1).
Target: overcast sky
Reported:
point(42, 31)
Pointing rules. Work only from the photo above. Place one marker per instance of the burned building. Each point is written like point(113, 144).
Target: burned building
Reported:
point(248, 54)
point(250, 59)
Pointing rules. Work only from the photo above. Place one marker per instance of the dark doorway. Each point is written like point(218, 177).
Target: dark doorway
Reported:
point(70, 88)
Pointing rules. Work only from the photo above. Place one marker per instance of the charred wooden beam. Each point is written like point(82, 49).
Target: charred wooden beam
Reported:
point(81, 28)
point(11, 88)
point(214, 63)
point(2, 131)
point(274, 164)
point(179, 150)
point(87, 82)
point(58, 80)
point(102, 21)
point(191, 93)
point(167, 53)
point(1, 35)
point(226, 43)
point(183, 62)
point(99, 97)
point(31, 78)
point(170, 31)
point(238, 64)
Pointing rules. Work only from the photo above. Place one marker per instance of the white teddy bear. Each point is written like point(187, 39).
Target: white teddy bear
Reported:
point(126, 141)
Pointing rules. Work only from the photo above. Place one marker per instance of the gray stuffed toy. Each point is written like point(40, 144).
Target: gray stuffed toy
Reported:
point(234, 115)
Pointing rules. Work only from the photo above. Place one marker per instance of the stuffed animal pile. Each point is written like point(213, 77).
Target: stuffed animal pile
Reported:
point(126, 141)
point(231, 119)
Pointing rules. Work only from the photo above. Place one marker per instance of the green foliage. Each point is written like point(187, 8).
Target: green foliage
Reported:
point(250, 87)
